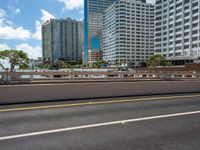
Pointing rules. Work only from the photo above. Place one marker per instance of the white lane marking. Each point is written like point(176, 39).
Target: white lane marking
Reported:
point(96, 125)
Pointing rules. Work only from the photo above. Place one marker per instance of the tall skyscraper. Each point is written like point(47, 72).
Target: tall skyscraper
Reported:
point(128, 32)
point(177, 30)
point(93, 14)
point(62, 39)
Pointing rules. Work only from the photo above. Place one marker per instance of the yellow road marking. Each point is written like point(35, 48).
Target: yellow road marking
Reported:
point(97, 103)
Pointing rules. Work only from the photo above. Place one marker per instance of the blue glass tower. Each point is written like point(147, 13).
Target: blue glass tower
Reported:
point(85, 31)
point(93, 24)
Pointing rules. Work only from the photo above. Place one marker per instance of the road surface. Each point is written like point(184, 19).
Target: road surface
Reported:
point(170, 122)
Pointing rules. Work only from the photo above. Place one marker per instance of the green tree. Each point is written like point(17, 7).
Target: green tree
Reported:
point(158, 60)
point(99, 64)
point(23, 66)
point(63, 64)
point(59, 65)
point(14, 57)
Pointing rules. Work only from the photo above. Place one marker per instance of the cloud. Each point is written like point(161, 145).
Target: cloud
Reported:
point(33, 52)
point(8, 32)
point(19, 33)
point(16, 1)
point(151, 1)
point(72, 4)
point(14, 10)
point(4, 47)
point(79, 4)
point(2, 13)
point(37, 35)
point(17, 11)
point(46, 15)
point(38, 24)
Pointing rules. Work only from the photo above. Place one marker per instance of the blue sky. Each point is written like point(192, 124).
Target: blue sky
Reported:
point(21, 20)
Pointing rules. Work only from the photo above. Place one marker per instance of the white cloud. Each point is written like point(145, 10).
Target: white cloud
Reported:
point(4, 47)
point(14, 10)
point(79, 4)
point(37, 35)
point(19, 33)
point(17, 11)
point(38, 24)
point(7, 31)
point(151, 1)
point(33, 52)
point(72, 4)
point(2, 13)
point(46, 15)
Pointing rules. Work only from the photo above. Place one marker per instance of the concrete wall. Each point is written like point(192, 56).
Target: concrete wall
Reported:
point(36, 93)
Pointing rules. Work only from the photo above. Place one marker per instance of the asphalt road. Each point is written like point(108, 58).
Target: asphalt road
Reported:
point(170, 122)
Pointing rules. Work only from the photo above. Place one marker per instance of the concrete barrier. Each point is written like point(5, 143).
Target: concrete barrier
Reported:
point(37, 93)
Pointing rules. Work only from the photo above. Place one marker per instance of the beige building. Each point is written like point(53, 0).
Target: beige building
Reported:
point(62, 39)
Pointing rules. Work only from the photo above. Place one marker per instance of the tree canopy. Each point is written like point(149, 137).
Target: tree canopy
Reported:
point(99, 64)
point(158, 60)
point(14, 58)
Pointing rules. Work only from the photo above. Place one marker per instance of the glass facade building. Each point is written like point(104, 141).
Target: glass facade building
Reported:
point(177, 30)
point(93, 25)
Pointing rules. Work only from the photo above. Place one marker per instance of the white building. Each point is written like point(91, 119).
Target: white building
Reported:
point(177, 30)
point(128, 32)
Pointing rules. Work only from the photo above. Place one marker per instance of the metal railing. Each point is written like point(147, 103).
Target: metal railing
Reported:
point(72, 74)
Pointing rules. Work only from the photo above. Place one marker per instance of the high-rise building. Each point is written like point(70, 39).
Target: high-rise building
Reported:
point(177, 30)
point(93, 14)
point(62, 39)
point(128, 32)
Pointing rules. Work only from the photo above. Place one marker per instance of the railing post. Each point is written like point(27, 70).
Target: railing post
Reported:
point(120, 76)
point(194, 74)
point(105, 76)
point(51, 77)
point(90, 76)
point(71, 74)
point(31, 77)
point(7, 76)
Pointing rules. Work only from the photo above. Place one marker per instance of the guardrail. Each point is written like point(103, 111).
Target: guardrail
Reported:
point(7, 77)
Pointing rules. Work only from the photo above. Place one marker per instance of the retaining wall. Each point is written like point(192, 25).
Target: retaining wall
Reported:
point(37, 93)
